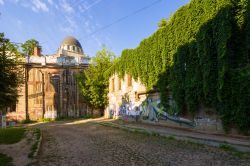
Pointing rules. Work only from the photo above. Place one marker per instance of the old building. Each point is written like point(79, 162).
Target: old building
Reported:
point(50, 88)
point(124, 96)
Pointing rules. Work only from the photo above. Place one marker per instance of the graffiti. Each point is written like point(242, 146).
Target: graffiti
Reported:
point(50, 114)
point(199, 121)
point(148, 109)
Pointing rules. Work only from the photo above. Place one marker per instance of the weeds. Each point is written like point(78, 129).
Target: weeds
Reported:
point(233, 151)
point(27, 121)
point(34, 147)
point(5, 160)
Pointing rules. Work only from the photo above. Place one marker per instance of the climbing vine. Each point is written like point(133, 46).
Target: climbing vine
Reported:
point(201, 55)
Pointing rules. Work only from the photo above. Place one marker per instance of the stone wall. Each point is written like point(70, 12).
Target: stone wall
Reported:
point(130, 101)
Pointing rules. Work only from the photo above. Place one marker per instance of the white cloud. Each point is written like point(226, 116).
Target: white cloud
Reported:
point(38, 5)
point(1, 2)
point(50, 2)
point(82, 8)
point(85, 7)
point(71, 25)
point(66, 7)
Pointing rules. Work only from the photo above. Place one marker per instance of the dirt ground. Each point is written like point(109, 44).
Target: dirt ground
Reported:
point(87, 143)
point(20, 150)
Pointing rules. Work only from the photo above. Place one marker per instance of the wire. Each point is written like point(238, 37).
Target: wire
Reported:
point(122, 18)
point(116, 21)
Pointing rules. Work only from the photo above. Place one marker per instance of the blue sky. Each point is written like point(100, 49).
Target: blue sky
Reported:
point(49, 21)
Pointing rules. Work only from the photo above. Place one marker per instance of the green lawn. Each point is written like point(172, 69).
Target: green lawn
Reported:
point(5, 160)
point(11, 135)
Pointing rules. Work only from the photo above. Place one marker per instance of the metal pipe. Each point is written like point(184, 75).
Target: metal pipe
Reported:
point(43, 93)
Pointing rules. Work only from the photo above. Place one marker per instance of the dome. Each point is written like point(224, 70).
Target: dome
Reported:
point(71, 44)
point(70, 40)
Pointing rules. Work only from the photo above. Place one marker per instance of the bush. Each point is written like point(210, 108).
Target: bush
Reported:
point(5, 160)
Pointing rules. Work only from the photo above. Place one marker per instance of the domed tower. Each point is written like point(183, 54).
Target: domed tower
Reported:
point(70, 46)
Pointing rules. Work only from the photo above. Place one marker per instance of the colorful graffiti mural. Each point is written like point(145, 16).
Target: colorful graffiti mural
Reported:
point(149, 109)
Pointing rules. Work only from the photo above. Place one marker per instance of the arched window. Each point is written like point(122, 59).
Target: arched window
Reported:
point(119, 84)
point(112, 85)
point(129, 80)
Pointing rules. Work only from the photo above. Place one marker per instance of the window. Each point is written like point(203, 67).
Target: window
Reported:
point(12, 108)
point(38, 101)
point(31, 74)
point(112, 84)
point(129, 80)
point(67, 47)
point(74, 48)
point(38, 88)
point(38, 75)
point(119, 84)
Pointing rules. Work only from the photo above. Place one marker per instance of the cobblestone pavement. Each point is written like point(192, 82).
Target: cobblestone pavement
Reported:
point(88, 143)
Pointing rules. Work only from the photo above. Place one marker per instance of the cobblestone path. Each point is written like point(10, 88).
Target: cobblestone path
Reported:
point(86, 143)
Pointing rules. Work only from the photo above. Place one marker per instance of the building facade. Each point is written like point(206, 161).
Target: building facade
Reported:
point(124, 96)
point(50, 89)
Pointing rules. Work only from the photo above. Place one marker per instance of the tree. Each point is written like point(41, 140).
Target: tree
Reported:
point(162, 23)
point(29, 45)
point(10, 73)
point(93, 81)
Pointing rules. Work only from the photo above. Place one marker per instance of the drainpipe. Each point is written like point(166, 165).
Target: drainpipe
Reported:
point(26, 90)
point(43, 93)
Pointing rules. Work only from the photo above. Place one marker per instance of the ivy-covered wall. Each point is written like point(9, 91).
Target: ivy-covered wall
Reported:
point(201, 55)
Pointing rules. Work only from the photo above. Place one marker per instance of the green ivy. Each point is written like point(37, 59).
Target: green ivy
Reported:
point(200, 55)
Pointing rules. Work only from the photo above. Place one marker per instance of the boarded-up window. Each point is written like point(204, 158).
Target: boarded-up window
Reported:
point(38, 100)
point(129, 80)
point(119, 84)
point(112, 84)
point(31, 75)
point(38, 88)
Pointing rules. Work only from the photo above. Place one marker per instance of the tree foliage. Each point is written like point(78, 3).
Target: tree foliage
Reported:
point(93, 81)
point(11, 75)
point(29, 45)
point(201, 55)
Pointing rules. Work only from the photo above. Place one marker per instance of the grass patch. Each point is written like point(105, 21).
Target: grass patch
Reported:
point(74, 118)
point(27, 121)
point(234, 151)
point(156, 134)
point(227, 147)
point(230, 149)
point(170, 138)
point(5, 160)
point(11, 135)
point(47, 120)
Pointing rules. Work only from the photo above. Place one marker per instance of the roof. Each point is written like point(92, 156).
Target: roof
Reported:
point(70, 40)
